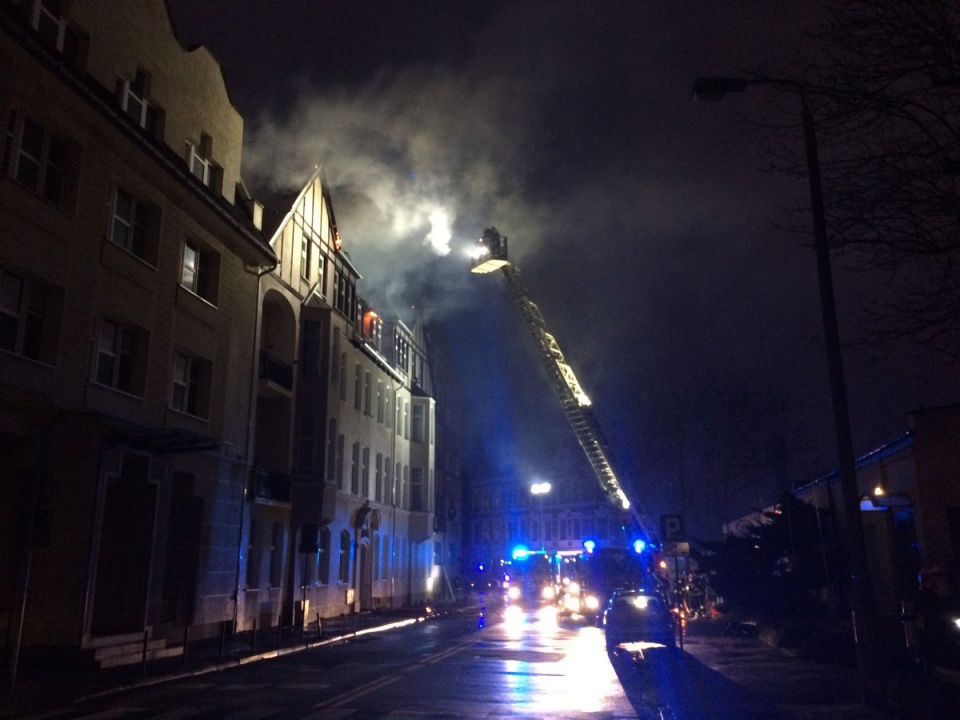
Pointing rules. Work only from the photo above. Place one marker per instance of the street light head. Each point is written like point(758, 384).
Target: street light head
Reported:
point(540, 488)
point(712, 89)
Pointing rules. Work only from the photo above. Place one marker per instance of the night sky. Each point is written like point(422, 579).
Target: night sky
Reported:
point(663, 256)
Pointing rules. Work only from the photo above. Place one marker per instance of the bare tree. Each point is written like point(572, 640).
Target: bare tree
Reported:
point(882, 80)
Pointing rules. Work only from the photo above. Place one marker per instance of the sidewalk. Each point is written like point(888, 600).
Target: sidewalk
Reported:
point(811, 690)
point(43, 690)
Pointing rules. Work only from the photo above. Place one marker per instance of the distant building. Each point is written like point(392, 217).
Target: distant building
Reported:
point(129, 272)
point(910, 490)
point(504, 514)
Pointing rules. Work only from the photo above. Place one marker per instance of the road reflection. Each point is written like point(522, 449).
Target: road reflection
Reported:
point(555, 670)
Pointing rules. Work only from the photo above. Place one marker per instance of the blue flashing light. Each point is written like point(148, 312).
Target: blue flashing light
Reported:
point(639, 546)
point(519, 552)
point(589, 545)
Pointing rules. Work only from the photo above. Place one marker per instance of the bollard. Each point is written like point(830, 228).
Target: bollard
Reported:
point(279, 629)
point(223, 638)
point(186, 639)
point(319, 627)
point(253, 637)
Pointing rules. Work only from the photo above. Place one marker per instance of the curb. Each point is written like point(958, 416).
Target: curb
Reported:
point(257, 657)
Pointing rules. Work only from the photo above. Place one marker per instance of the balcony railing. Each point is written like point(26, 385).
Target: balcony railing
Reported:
point(271, 485)
point(276, 371)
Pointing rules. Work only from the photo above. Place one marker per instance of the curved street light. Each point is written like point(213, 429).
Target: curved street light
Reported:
point(714, 89)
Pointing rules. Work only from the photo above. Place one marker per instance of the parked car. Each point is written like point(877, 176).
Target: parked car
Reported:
point(635, 616)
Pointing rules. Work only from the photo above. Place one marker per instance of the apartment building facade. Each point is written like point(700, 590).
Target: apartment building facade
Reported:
point(342, 518)
point(205, 427)
point(129, 275)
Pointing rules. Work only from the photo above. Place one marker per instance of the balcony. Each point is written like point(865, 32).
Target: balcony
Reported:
point(270, 486)
point(275, 374)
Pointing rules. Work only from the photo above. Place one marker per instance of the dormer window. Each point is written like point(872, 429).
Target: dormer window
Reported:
point(133, 95)
point(198, 157)
point(50, 21)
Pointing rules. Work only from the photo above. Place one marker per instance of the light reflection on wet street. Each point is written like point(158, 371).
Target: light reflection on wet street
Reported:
point(552, 670)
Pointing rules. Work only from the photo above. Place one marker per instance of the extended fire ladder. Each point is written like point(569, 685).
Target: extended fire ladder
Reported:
point(492, 255)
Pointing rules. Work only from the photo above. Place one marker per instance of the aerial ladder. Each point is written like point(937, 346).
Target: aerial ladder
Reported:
point(491, 255)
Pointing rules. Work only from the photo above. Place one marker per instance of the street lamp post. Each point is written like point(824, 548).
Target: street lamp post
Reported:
point(540, 490)
point(714, 89)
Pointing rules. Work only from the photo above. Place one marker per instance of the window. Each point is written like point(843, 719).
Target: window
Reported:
point(28, 318)
point(387, 408)
point(310, 349)
point(50, 22)
point(200, 162)
point(384, 557)
point(397, 486)
point(323, 574)
point(276, 554)
point(343, 377)
point(366, 393)
point(306, 257)
point(253, 555)
point(132, 95)
point(355, 469)
point(378, 470)
point(373, 329)
point(418, 499)
point(344, 295)
point(365, 473)
point(419, 423)
point(120, 357)
point(401, 353)
point(40, 161)
point(388, 493)
point(332, 450)
point(406, 421)
point(340, 451)
point(189, 385)
point(305, 444)
point(199, 271)
point(134, 224)
point(380, 401)
point(335, 357)
point(357, 386)
point(343, 575)
point(310, 256)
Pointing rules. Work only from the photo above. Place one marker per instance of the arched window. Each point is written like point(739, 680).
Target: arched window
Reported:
point(343, 575)
point(323, 576)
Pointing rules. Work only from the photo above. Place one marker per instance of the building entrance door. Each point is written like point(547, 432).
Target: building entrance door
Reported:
point(126, 550)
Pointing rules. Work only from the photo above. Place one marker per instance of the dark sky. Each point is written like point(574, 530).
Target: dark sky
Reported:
point(643, 223)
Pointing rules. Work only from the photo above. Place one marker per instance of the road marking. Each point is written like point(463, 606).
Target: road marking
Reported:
point(356, 693)
point(446, 653)
point(111, 713)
